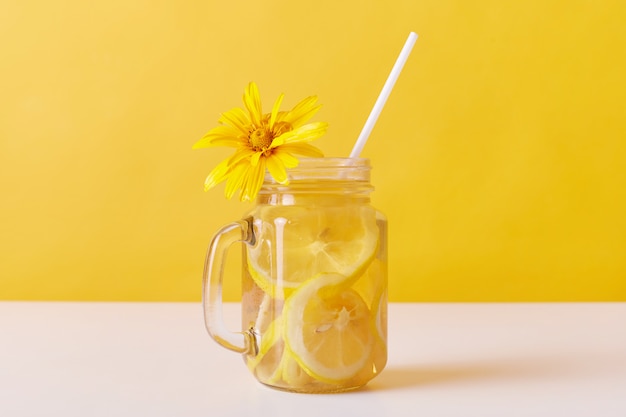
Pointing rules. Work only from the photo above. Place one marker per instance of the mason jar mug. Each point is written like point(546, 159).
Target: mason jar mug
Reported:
point(314, 280)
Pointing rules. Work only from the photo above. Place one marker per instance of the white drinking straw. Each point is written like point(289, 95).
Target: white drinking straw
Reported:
point(384, 94)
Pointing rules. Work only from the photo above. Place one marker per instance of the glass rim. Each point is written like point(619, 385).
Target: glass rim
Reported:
point(328, 169)
point(332, 161)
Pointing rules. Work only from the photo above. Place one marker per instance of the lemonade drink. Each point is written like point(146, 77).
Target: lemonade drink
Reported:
point(315, 280)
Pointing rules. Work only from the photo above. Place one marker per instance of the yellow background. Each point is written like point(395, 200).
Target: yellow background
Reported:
point(500, 158)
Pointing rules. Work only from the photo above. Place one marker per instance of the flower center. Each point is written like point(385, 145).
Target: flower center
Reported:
point(260, 138)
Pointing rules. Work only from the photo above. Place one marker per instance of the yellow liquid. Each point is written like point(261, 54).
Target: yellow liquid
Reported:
point(315, 296)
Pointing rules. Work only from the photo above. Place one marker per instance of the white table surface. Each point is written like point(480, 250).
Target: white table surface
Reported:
point(449, 359)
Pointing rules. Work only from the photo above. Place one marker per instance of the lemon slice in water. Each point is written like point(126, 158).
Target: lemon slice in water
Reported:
point(295, 243)
point(327, 327)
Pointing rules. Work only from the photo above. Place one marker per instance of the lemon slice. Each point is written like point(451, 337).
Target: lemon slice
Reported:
point(328, 329)
point(379, 324)
point(295, 243)
point(372, 287)
point(269, 339)
point(380, 316)
point(290, 372)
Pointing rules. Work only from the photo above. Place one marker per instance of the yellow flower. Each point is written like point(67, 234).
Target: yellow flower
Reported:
point(262, 141)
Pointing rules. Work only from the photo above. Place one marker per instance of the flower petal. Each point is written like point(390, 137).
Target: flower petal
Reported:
point(240, 155)
point(236, 178)
point(280, 117)
point(252, 100)
point(302, 149)
point(217, 175)
point(254, 160)
point(302, 111)
point(277, 170)
point(275, 109)
point(287, 159)
point(213, 137)
point(230, 142)
point(304, 133)
point(236, 118)
point(254, 181)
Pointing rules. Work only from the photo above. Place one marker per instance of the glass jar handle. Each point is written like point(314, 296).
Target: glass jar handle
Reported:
point(242, 342)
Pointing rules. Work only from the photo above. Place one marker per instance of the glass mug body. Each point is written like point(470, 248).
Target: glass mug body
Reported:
point(314, 285)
